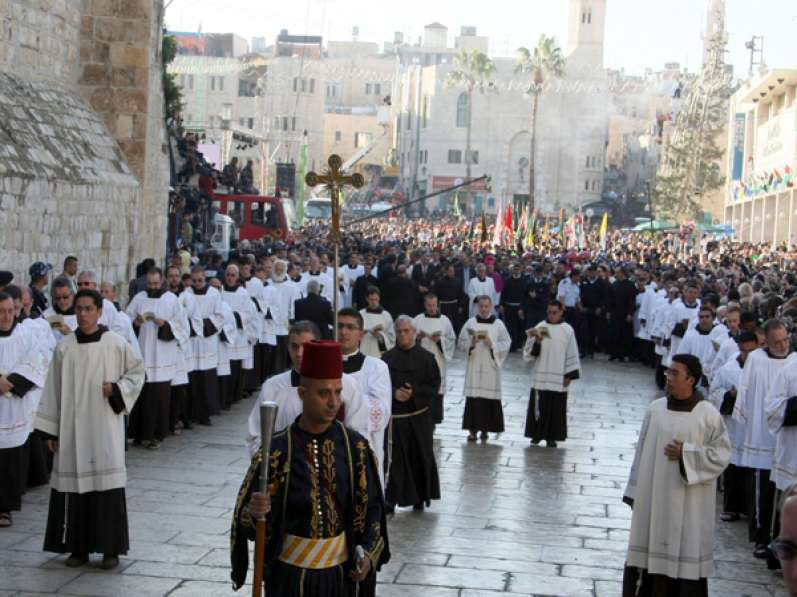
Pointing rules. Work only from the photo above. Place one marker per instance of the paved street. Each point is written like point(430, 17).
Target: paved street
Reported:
point(514, 519)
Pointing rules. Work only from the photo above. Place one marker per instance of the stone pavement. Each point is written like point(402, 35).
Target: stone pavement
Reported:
point(513, 519)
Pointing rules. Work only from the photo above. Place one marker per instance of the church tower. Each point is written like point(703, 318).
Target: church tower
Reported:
point(587, 31)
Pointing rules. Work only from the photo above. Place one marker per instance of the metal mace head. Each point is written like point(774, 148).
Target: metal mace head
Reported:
point(268, 416)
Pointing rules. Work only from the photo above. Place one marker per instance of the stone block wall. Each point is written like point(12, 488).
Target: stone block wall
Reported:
point(83, 166)
point(65, 187)
point(120, 76)
point(39, 39)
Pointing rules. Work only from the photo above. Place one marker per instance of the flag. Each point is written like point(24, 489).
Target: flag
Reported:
point(522, 222)
point(579, 228)
point(562, 223)
point(508, 224)
point(531, 224)
point(500, 220)
point(484, 228)
point(604, 229)
point(457, 212)
point(470, 232)
point(302, 187)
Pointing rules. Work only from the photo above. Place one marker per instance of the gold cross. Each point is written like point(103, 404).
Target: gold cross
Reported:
point(334, 180)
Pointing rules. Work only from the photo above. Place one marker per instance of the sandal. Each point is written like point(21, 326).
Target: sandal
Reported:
point(5, 519)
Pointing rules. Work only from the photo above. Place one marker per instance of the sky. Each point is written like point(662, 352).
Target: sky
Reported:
point(639, 33)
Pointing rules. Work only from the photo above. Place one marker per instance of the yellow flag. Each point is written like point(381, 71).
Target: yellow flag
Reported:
point(604, 229)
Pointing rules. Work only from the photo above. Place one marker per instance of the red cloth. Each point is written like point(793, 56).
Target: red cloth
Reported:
point(322, 359)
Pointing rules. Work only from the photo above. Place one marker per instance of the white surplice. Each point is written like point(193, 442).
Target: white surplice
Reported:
point(784, 463)
point(680, 313)
point(703, 345)
point(69, 320)
point(91, 437)
point(20, 354)
point(205, 349)
point(160, 356)
point(373, 379)
point(370, 342)
point(755, 445)
point(672, 524)
point(726, 378)
point(350, 276)
point(443, 348)
point(558, 357)
point(483, 370)
point(244, 337)
point(280, 298)
point(279, 389)
point(477, 288)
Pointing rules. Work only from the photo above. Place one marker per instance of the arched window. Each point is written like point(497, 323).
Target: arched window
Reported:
point(463, 110)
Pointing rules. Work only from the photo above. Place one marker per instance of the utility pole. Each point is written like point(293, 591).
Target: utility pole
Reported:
point(756, 47)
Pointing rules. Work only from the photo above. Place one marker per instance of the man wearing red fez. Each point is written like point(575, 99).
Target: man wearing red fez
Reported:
point(326, 527)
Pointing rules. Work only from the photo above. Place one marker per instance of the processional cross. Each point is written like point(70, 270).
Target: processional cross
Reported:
point(335, 180)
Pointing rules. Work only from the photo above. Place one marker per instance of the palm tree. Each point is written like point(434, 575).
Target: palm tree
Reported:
point(474, 71)
point(544, 62)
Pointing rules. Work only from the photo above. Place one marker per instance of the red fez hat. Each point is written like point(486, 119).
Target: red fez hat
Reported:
point(322, 359)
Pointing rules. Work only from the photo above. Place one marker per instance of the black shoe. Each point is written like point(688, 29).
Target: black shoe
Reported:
point(550, 444)
point(612, 359)
point(471, 437)
point(109, 562)
point(206, 423)
point(760, 552)
point(484, 436)
point(418, 507)
point(76, 560)
point(187, 426)
point(390, 508)
point(535, 442)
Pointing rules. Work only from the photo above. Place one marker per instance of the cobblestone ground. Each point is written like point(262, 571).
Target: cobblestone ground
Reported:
point(513, 520)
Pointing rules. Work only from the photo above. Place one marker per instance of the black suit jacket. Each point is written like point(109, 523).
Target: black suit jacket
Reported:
point(316, 309)
point(359, 295)
point(422, 279)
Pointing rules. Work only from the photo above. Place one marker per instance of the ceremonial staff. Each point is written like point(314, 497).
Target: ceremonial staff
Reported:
point(268, 415)
point(334, 180)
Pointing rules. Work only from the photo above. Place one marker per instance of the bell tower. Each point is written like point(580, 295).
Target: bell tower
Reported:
point(587, 30)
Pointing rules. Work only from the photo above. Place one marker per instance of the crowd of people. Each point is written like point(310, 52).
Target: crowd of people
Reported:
point(712, 319)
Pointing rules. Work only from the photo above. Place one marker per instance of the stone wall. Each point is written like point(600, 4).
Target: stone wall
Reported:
point(65, 187)
point(83, 168)
point(120, 76)
point(39, 39)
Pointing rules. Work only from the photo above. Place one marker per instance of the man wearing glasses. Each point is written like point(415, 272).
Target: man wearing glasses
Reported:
point(785, 546)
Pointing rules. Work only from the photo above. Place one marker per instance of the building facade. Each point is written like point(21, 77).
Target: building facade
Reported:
point(760, 196)
point(431, 123)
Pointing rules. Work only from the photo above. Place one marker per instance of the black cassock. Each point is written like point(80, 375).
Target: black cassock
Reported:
point(322, 486)
point(413, 477)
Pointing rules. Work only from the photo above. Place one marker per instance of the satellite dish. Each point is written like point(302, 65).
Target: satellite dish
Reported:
point(458, 181)
point(590, 212)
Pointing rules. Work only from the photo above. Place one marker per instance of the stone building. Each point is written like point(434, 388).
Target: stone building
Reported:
point(82, 164)
point(431, 122)
point(761, 193)
point(332, 94)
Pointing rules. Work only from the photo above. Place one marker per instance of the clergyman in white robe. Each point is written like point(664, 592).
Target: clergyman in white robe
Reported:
point(24, 366)
point(672, 523)
point(755, 444)
point(438, 337)
point(556, 362)
point(486, 343)
point(379, 333)
point(87, 503)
